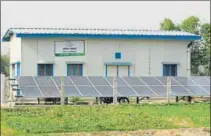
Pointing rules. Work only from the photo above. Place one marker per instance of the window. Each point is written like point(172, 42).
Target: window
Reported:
point(45, 69)
point(74, 70)
point(169, 70)
point(118, 55)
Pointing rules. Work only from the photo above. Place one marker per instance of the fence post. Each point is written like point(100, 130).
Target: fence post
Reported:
point(62, 91)
point(168, 89)
point(114, 90)
point(3, 88)
point(11, 95)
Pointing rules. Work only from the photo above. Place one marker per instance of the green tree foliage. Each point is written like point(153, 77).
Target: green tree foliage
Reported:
point(5, 65)
point(198, 57)
point(205, 33)
point(200, 50)
point(167, 24)
point(191, 24)
point(198, 54)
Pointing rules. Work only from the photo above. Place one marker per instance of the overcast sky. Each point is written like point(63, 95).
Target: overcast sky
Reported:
point(93, 14)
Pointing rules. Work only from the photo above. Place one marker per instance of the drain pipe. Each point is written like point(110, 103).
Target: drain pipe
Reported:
point(189, 58)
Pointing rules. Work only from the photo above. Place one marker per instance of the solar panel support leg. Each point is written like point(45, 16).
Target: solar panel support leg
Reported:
point(97, 100)
point(177, 99)
point(137, 100)
point(189, 98)
point(38, 100)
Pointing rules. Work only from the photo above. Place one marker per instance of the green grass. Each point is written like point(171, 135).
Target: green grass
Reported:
point(105, 118)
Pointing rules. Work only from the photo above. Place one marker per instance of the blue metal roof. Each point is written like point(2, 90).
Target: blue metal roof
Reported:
point(99, 33)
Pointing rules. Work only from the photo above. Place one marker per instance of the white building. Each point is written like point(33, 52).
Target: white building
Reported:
point(98, 52)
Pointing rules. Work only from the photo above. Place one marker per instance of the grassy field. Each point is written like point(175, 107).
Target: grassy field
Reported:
point(58, 119)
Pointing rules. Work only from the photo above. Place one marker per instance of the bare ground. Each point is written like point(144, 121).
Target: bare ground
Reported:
point(151, 132)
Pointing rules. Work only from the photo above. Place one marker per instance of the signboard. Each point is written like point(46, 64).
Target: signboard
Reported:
point(69, 48)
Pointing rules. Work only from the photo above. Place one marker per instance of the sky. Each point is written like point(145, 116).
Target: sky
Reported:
point(98, 14)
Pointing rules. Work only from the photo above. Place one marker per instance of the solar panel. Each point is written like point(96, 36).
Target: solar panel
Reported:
point(88, 91)
point(126, 91)
point(46, 86)
point(197, 91)
point(30, 92)
point(26, 81)
point(208, 78)
point(207, 88)
point(150, 80)
point(80, 80)
point(163, 80)
point(98, 80)
point(106, 91)
point(183, 80)
point(160, 90)
point(120, 82)
point(133, 81)
point(49, 91)
point(71, 91)
point(44, 80)
point(200, 80)
point(143, 91)
point(179, 91)
point(67, 81)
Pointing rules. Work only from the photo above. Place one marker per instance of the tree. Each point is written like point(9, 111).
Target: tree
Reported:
point(198, 57)
point(167, 25)
point(191, 24)
point(205, 33)
point(5, 65)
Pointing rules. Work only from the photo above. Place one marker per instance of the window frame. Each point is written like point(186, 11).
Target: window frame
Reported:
point(45, 70)
point(74, 69)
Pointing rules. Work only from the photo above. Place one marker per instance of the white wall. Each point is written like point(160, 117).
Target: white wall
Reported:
point(15, 51)
point(99, 51)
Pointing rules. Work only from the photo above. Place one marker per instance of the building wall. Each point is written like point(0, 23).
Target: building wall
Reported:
point(147, 56)
point(14, 51)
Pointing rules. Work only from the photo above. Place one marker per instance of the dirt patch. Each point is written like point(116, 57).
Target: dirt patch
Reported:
point(169, 132)
point(187, 123)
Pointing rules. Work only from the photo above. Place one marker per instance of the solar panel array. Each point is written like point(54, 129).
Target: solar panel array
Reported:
point(99, 86)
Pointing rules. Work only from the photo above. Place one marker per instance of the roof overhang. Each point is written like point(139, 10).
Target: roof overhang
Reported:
point(101, 36)
point(16, 62)
point(74, 62)
point(170, 62)
point(45, 62)
point(118, 63)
